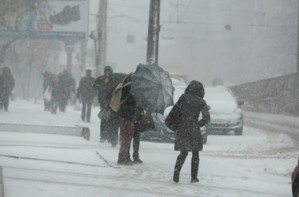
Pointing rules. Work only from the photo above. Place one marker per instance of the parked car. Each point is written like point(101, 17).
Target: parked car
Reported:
point(295, 180)
point(226, 114)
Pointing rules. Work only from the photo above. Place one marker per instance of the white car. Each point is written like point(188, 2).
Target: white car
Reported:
point(225, 111)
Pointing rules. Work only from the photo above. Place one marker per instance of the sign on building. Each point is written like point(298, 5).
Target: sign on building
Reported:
point(44, 19)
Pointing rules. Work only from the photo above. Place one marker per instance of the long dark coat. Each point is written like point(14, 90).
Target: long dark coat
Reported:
point(66, 85)
point(185, 114)
point(85, 90)
point(105, 89)
point(8, 84)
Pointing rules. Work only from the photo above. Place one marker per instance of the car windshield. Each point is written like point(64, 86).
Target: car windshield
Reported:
point(220, 100)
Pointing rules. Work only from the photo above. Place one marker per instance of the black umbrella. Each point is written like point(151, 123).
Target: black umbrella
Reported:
point(152, 88)
point(118, 77)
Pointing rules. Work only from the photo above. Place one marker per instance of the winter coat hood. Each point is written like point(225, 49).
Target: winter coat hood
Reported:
point(195, 88)
point(108, 68)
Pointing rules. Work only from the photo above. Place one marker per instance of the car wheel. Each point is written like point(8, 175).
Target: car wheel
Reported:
point(239, 131)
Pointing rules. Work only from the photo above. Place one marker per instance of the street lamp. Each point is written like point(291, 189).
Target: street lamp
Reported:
point(94, 38)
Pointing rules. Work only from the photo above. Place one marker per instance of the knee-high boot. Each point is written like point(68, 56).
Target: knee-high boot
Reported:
point(194, 167)
point(178, 165)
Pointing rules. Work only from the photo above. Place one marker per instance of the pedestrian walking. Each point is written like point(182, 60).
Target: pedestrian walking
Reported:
point(105, 85)
point(86, 93)
point(8, 83)
point(183, 119)
point(66, 85)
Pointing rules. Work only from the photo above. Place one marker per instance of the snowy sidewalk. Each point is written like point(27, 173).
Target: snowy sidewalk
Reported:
point(57, 165)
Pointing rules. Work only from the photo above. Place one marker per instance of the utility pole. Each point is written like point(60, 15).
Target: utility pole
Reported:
point(102, 37)
point(152, 55)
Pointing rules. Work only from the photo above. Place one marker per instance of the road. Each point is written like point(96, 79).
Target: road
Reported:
point(275, 124)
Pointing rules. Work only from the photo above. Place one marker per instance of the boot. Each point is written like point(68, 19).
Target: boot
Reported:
point(125, 162)
point(178, 166)
point(194, 180)
point(194, 168)
point(176, 176)
point(136, 158)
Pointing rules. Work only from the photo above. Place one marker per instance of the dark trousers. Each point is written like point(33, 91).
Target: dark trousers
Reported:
point(62, 105)
point(86, 109)
point(47, 105)
point(127, 132)
point(62, 102)
point(194, 163)
point(4, 103)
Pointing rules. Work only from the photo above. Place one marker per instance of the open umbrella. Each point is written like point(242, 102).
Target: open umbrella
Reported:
point(152, 88)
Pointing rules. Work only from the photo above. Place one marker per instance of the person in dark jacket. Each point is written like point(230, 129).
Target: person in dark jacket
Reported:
point(86, 93)
point(188, 136)
point(8, 83)
point(66, 85)
point(127, 113)
point(105, 85)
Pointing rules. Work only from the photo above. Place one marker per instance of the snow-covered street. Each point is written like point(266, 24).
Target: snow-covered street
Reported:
point(258, 164)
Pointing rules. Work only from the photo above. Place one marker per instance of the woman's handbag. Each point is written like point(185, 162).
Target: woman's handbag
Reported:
point(146, 122)
point(173, 118)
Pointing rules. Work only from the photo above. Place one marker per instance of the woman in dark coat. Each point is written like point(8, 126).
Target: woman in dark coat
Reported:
point(184, 115)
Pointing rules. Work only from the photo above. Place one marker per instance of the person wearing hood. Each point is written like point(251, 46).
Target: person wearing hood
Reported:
point(184, 115)
point(105, 85)
point(8, 84)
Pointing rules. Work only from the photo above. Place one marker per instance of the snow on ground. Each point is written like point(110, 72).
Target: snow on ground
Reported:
point(255, 164)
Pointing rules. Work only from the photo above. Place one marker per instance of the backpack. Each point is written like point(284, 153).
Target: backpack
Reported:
point(115, 101)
